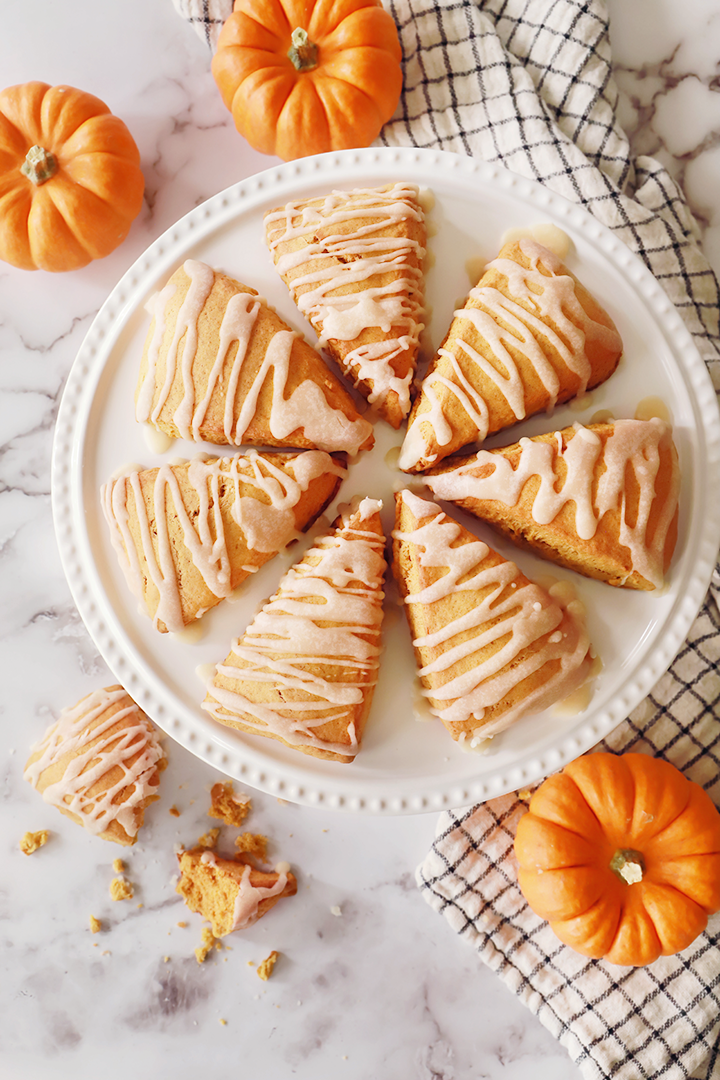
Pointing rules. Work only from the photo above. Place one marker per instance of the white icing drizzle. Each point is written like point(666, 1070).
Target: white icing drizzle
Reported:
point(521, 618)
point(268, 526)
point(633, 444)
point(305, 409)
point(362, 255)
point(249, 897)
point(98, 744)
point(503, 321)
point(317, 618)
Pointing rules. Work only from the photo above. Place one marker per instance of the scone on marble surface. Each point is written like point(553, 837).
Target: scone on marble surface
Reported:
point(353, 261)
point(100, 764)
point(490, 645)
point(187, 535)
point(601, 500)
point(305, 669)
point(529, 336)
point(232, 894)
point(220, 365)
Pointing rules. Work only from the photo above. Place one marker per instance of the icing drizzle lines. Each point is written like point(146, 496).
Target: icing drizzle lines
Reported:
point(633, 443)
point(268, 526)
point(249, 896)
point(306, 408)
point(362, 255)
point(98, 744)
point(316, 619)
point(512, 616)
point(502, 321)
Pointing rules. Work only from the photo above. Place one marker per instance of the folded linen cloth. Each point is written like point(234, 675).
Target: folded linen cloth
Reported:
point(528, 84)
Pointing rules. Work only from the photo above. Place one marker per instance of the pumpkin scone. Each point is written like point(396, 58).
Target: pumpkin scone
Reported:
point(187, 535)
point(602, 499)
point(305, 669)
point(231, 893)
point(529, 336)
point(353, 261)
point(219, 365)
point(100, 764)
point(490, 645)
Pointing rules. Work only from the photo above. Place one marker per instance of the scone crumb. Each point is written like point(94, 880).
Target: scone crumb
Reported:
point(524, 794)
point(336, 911)
point(121, 889)
point(31, 841)
point(118, 866)
point(209, 942)
point(174, 811)
point(251, 963)
point(95, 925)
point(265, 969)
point(226, 805)
point(223, 1022)
point(252, 844)
point(182, 925)
point(208, 839)
point(166, 959)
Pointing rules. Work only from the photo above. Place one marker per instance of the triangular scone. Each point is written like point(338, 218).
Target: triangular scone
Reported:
point(219, 365)
point(602, 500)
point(490, 645)
point(187, 535)
point(530, 336)
point(353, 261)
point(305, 669)
point(230, 893)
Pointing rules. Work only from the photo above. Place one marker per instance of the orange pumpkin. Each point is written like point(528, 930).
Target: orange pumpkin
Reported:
point(621, 854)
point(306, 76)
point(70, 178)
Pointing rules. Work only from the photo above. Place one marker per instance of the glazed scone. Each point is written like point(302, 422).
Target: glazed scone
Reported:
point(601, 500)
point(529, 336)
point(219, 365)
point(100, 764)
point(490, 645)
point(187, 535)
point(305, 669)
point(353, 261)
point(231, 894)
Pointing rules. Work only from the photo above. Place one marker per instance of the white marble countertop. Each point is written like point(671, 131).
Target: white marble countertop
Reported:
point(384, 989)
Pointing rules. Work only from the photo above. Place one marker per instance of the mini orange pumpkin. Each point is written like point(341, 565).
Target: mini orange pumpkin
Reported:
point(307, 76)
point(621, 854)
point(70, 178)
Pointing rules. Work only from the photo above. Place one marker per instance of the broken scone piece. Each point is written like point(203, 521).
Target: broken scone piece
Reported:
point(231, 894)
point(228, 807)
point(353, 261)
point(529, 336)
point(100, 764)
point(187, 535)
point(305, 669)
point(601, 500)
point(490, 645)
point(220, 366)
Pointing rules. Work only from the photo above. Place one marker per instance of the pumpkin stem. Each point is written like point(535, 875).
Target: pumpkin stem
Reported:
point(40, 165)
point(629, 865)
point(303, 52)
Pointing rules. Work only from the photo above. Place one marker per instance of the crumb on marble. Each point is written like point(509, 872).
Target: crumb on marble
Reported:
point(336, 910)
point(223, 1022)
point(95, 925)
point(174, 811)
point(166, 959)
point(118, 866)
point(251, 963)
point(209, 942)
point(208, 839)
point(252, 844)
point(31, 841)
point(282, 802)
point(265, 968)
point(121, 889)
point(227, 806)
point(182, 925)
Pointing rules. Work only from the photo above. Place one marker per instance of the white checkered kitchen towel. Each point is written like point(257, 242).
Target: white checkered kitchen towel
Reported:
point(528, 84)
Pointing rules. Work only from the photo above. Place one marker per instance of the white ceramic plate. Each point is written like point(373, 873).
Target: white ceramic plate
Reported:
point(404, 765)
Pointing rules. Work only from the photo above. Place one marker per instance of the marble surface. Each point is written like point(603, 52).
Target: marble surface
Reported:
point(371, 983)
